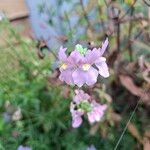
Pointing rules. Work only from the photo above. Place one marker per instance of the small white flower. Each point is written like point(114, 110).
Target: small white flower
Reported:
point(17, 115)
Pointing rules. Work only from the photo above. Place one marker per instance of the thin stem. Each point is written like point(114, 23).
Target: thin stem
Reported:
point(146, 3)
point(138, 34)
point(43, 44)
point(115, 16)
point(129, 35)
point(127, 124)
point(128, 10)
point(118, 37)
point(69, 25)
point(106, 3)
point(85, 14)
point(101, 20)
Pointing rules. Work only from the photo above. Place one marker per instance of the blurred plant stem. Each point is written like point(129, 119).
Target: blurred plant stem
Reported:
point(126, 13)
point(101, 19)
point(116, 13)
point(85, 14)
point(148, 4)
point(69, 25)
point(129, 35)
point(118, 36)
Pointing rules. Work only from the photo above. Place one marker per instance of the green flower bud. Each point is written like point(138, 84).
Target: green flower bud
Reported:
point(80, 49)
point(84, 105)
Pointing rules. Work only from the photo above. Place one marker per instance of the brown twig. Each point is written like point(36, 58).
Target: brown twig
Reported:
point(116, 13)
point(133, 19)
point(21, 17)
point(118, 37)
point(129, 35)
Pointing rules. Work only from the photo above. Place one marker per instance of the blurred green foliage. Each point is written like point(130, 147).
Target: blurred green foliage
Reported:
point(46, 121)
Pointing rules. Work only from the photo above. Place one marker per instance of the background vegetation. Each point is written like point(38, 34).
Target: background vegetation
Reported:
point(34, 104)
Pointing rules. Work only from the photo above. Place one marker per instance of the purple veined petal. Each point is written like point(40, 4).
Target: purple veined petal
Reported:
point(79, 77)
point(91, 76)
point(101, 110)
point(97, 115)
point(77, 99)
point(104, 46)
point(85, 96)
point(66, 76)
point(75, 57)
point(103, 107)
point(94, 116)
point(102, 67)
point(80, 95)
point(92, 56)
point(61, 54)
point(91, 117)
point(76, 122)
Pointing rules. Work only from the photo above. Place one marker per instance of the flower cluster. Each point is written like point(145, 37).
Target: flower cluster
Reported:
point(83, 105)
point(83, 66)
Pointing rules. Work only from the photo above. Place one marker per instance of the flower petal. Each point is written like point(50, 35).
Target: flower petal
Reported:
point(91, 117)
point(75, 57)
point(79, 77)
point(91, 76)
point(76, 122)
point(80, 95)
point(104, 46)
point(66, 76)
point(103, 68)
point(92, 56)
point(61, 54)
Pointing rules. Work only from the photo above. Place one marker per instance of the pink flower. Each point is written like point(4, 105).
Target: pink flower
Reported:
point(66, 67)
point(83, 66)
point(82, 105)
point(85, 73)
point(101, 62)
point(97, 113)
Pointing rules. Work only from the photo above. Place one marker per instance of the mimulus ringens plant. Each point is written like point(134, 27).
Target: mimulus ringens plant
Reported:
point(82, 67)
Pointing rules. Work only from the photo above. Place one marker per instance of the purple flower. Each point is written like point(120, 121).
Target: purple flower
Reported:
point(76, 118)
point(97, 113)
point(85, 72)
point(92, 147)
point(101, 62)
point(24, 148)
point(83, 66)
point(83, 105)
point(66, 67)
